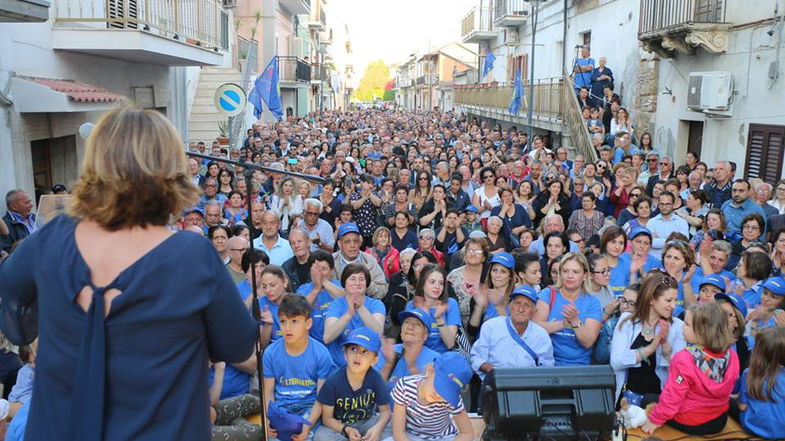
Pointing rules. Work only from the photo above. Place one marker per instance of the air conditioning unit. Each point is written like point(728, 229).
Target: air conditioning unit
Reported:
point(709, 91)
point(229, 3)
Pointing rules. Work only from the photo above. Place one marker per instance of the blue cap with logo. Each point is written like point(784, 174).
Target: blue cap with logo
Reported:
point(713, 280)
point(638, 231)
point(471, 208)
point(776, 285)
point(366, 338)
point(526, 291)
point(734, 300)
point(346, 228)
point(420, 315)
point(194, 210)
point(452, 375)
point(504, 258)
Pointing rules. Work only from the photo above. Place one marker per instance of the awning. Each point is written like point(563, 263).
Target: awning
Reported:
point(46, 95)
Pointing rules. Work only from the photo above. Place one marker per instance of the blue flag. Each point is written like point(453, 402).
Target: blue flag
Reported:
point(489, 59)
point(266, 89)
point(517, 93)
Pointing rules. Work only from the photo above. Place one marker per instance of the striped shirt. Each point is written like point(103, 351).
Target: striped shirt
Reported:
point(496, 346)
point(429, 422)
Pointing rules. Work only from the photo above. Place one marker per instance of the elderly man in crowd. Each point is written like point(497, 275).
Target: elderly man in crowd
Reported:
point(350, 241)
point(297, 267)
point(237, 247)
point(319, 231)
point(515, 341)
point(551, 222)
point(19, 219)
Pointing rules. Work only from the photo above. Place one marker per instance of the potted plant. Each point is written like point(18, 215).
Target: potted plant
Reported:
point(223, 129)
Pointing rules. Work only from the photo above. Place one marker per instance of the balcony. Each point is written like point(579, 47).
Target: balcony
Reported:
point(24, 11)
point(510, 13)
point(318, 23)
point(681, 26)
point(477, 26)
point(293, 72)
point(165, 32)
point(296, 6)
point(326, 37)
point(319, 73)
point(427, 80)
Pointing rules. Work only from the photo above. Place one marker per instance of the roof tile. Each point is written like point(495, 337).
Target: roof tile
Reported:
point(78, 92)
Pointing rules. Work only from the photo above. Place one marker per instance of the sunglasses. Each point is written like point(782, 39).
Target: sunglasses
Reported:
point(635, 195)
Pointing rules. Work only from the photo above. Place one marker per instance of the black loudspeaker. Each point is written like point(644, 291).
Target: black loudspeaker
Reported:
point(549, 402)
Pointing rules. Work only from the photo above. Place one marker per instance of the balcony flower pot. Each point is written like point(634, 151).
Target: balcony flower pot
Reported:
point(222, 140)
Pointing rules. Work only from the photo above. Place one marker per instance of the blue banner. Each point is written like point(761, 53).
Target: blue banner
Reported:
point(266, 89)
point(489, 60)
point(517, 93)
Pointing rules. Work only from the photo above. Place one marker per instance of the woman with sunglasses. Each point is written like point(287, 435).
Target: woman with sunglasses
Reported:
point(570, 315)
point(487, 196)
point(626, 181)
point(645, 339)
point(629, 212)
point(598, 283)
point(421, 191)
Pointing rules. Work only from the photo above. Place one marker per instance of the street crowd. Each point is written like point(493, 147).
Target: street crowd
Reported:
point(439, 248)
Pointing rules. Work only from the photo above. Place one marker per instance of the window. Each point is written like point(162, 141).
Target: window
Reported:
point(764, 152)
point(514, 64)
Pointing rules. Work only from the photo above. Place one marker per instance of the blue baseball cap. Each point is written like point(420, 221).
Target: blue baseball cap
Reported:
point(713, 280)
point(638, 231)
point(366, 338)
point(776, 285)
point(471, 208)
point(346, 228)
point(526, 291)
point(420, 315)
point(452, 375)
point(194, 210)
point(734, 300)
point(504, 258)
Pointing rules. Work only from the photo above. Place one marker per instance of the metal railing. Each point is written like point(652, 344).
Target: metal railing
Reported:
point(478, 19)
point(658, 15)
point(293, 69)
point(573, 121)
point(553, 98)
point(200, 22)
point(509, 7)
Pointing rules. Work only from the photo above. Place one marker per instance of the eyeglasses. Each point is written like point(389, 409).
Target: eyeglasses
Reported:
point(603, 272)
point(780, 188)
point(474, 252)
point(311, 213)
point(731, 315)
point(239, 250)
point(488, 176)
point(652, 159)
point(626, 301)
point(424, 178)
point(426, 237)
point(635, 195)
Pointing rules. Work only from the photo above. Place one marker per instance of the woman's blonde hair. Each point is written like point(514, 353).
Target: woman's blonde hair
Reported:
point(134, 172)
point(580, 259)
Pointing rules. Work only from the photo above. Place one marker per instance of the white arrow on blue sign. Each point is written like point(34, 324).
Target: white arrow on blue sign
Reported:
point(230, 99)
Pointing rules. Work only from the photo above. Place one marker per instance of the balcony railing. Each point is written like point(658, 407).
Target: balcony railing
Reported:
point(477, 25)
point(427, 79)
point(199, 22)
point(293, 69)
point(510, 12)
point(659, 15)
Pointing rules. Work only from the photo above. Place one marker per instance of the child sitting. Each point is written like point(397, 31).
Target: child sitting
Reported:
point(762, 397)
point(351, 395)
point(296, 365)
point(701, 377)
point(429, 407)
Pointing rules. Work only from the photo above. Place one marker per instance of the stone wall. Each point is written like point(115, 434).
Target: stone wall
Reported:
point(645, 96)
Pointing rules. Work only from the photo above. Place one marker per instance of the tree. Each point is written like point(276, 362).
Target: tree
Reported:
point(377, 74)
point(389, 95)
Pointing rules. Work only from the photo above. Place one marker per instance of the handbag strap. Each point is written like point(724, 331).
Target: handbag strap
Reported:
point(517, 338)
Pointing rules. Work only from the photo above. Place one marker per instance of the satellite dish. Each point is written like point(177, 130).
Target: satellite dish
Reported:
point(85, 130)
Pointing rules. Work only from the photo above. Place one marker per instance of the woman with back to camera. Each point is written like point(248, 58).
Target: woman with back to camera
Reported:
point(111, 307)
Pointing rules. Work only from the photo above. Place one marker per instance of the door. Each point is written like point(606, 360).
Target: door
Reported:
point(695, 137)
point(764, 152)
point(42, 167)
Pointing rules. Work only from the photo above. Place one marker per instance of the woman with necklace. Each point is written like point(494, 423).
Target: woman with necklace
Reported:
point(645, 339)
point(570, 315)
point(465, 280)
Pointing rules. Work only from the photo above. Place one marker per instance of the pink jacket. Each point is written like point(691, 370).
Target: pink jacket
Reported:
point(690, 397)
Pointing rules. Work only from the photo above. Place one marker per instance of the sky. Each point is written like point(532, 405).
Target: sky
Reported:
point(392, 29)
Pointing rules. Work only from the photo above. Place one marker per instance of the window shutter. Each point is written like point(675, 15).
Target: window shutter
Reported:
point(764, 152)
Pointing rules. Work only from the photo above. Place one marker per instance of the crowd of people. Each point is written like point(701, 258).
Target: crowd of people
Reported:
point(438, 248)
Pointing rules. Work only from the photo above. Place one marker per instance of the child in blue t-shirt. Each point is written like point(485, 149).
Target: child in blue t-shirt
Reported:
point(351, 395)
point(762, 397)
point(296, 365)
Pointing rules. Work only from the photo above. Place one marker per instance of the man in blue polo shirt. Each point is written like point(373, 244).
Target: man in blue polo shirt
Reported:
point(276, 247)
point(740, 206)
point(583, 69)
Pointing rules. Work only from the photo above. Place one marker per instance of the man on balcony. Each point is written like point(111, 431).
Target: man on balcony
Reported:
point(583, 69)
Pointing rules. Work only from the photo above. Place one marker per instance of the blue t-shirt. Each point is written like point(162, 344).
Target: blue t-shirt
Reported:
point(583, 78)
point(764, 418)
point(236, 382)
point(751, 296)
point(451, 317)
point(401, 369)
point(697, 279)
point(354, 406)
point(264, 302)
point(296, 376)
point(338, 308)
point(566, 348)
point(320, 305)
point(620, 275)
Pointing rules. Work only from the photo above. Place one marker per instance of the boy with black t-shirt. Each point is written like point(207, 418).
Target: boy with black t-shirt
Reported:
point(351, 395)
